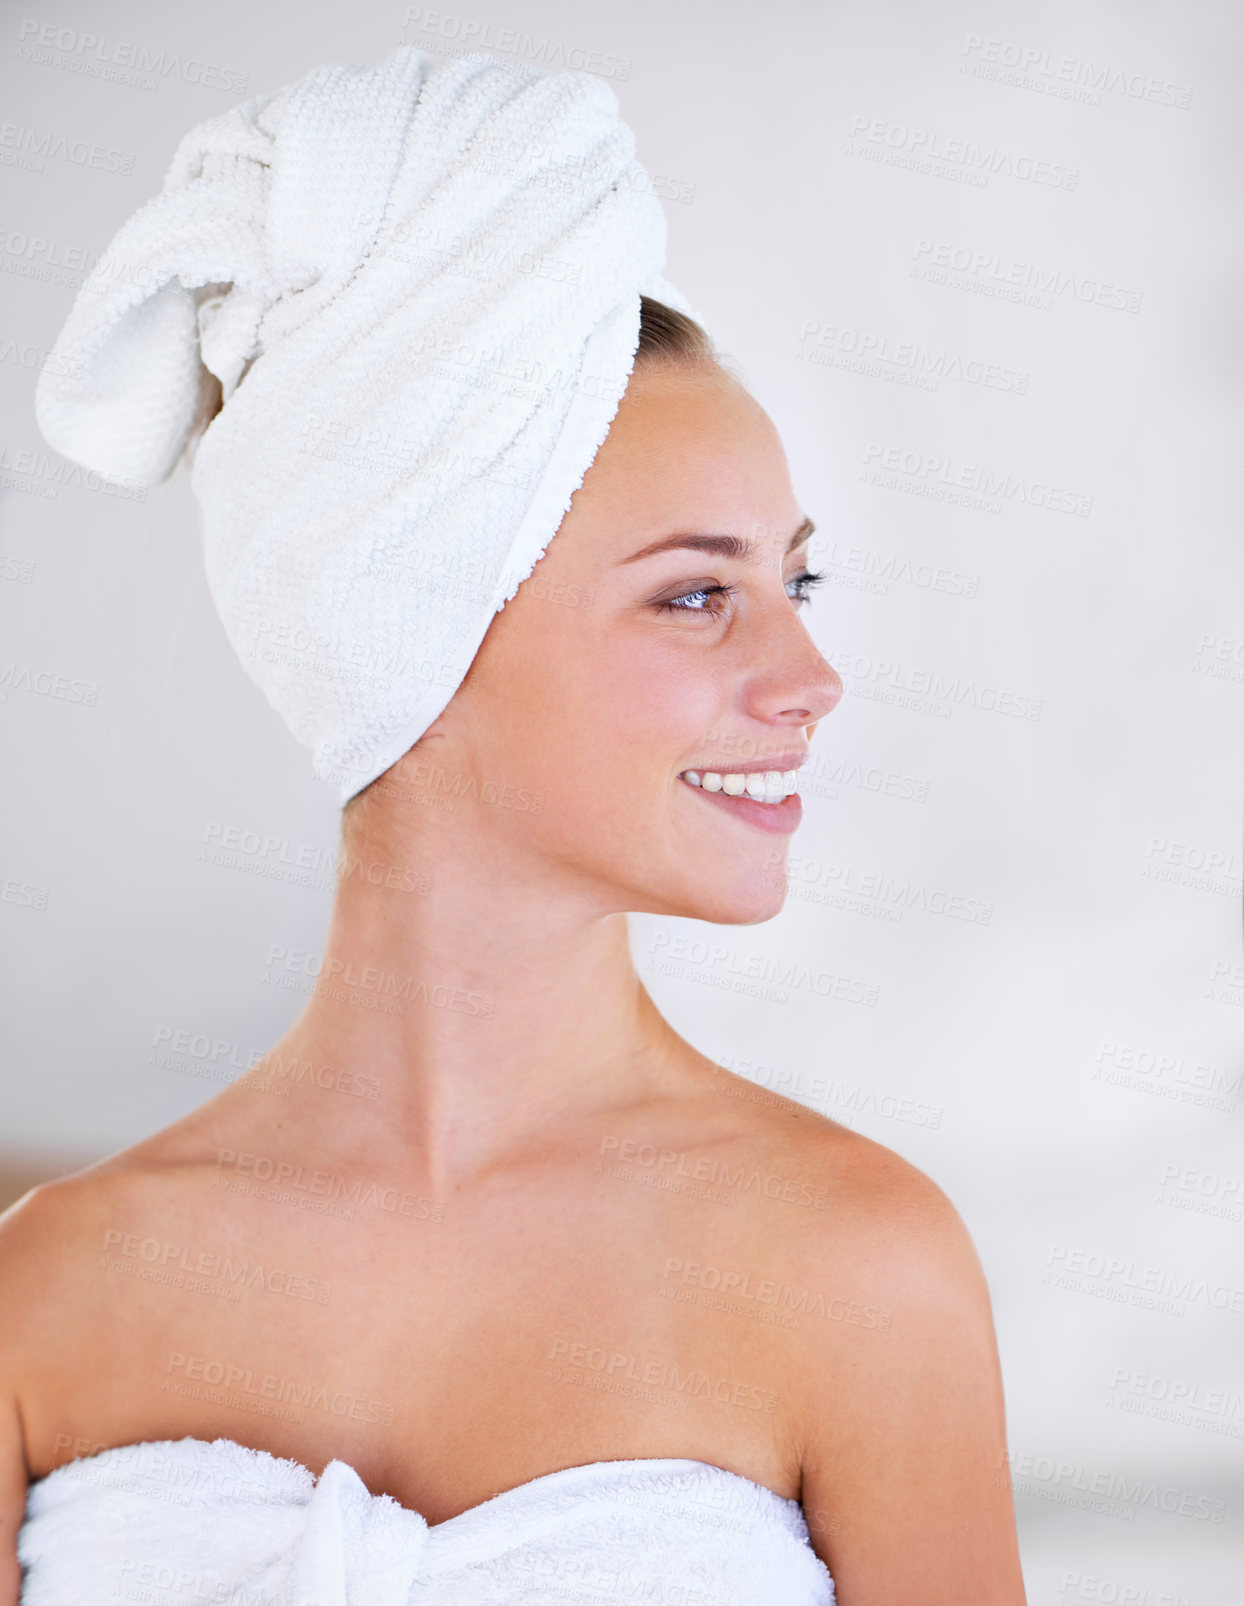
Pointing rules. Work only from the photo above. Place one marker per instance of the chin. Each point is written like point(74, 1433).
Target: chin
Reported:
point(753, 911)
point(742, 905)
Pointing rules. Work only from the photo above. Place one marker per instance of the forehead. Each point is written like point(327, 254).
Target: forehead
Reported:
point(688, 449)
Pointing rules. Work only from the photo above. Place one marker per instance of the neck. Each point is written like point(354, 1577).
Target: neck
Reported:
point(491, 1001)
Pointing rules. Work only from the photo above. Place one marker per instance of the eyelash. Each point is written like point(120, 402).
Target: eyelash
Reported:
point(807, 580)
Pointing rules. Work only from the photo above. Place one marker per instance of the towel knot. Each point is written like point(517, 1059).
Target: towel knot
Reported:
point(356, 1548)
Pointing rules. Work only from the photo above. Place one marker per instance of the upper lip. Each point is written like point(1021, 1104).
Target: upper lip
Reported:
point(780, 761)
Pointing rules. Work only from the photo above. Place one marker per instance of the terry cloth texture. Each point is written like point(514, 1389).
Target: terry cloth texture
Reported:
point(415, 287)
point(187, 1519)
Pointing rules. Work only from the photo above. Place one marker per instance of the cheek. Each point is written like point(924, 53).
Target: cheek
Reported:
point(597, 713)
point(630, 706)
point(673, 697)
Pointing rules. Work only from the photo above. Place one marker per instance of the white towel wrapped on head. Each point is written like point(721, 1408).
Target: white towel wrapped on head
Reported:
point(415, 286)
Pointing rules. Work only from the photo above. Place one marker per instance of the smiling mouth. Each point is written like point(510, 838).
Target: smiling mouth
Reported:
point(763, 786)
point(768, 799)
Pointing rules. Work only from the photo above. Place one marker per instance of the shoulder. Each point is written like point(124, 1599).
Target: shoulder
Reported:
point(898, 1211)
point(867, 1249)
point(827, 1208)
point(887, 1231)
point(32, 1226)
point(895, 1395)
point(863, 1188)
point(53, 1241)
point(39, 1268)
point(51, 1222)
point(42, 1234)
point(861, 1198)
point(50, 1243)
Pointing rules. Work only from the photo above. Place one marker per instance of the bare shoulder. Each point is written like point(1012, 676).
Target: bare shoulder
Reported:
point(60, 1215)
point(74, 1200)
point(890, 1211)
point(877, 1231)
point(53, 1237)
point(31, 1229)
point(24, 1245)
point(32, 1235)
point(50, 1306)
point(895, 1384)
point(42, 1236)
point(863, 1201)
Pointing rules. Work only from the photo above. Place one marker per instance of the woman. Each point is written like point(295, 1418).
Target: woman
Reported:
point(455, 1247)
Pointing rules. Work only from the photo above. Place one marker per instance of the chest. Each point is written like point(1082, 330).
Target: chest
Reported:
point(447, 1350)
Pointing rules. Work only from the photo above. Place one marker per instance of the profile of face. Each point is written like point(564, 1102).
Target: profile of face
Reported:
point(617, 668)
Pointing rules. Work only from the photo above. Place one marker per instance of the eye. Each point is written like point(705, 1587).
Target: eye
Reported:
point(675, 604)
point(805, 582)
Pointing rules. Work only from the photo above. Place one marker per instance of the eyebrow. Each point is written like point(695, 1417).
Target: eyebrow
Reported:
point(724, 546)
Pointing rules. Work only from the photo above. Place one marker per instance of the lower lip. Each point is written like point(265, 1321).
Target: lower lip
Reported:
point(780, 818)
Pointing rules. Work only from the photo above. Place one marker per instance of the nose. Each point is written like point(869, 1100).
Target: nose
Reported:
point(793, 683)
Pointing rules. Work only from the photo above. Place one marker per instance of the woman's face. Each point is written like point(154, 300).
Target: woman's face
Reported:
point(614, 670)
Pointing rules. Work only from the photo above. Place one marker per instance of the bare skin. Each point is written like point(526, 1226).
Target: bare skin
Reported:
point(499, 1127)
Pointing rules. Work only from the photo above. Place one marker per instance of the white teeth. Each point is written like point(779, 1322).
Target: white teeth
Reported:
point(765, 786)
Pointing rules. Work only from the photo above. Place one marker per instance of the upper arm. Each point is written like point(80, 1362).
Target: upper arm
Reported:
point(12, 1500)
point(15, 1235)
point(906, 1482)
